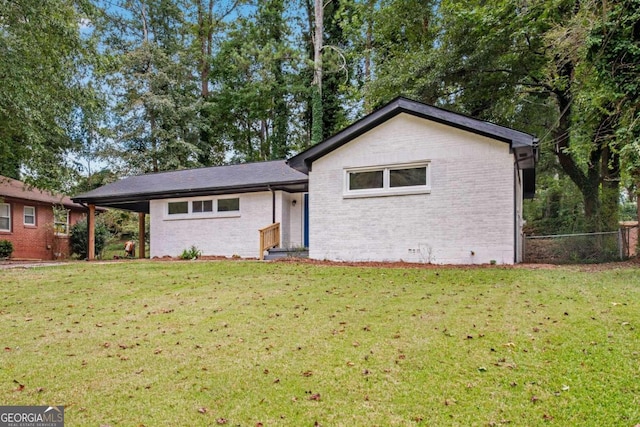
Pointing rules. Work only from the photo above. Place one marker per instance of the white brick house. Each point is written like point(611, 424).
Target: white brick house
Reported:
point(409, 182)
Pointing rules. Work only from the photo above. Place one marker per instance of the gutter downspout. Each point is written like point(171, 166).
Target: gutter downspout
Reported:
point(273, 205)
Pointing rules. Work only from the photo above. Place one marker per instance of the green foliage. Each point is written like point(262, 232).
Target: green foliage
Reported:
point(6, 249)
point(192, 253)
point(44, 67)
point(79, 238)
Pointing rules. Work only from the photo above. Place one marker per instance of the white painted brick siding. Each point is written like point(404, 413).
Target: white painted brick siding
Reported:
point(467, 218)
point(221, 236)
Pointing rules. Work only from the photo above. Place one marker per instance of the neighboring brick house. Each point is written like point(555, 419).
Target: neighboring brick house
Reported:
point(409, 182)
point(27, 220)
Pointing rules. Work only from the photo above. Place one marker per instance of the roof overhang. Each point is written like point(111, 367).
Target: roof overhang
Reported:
point(140, 202)
point(519, 142)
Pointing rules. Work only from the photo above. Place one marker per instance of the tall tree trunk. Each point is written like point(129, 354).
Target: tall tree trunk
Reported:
point(587, 182)
point(316, 103)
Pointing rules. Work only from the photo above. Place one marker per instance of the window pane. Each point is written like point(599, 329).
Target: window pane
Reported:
point(408, 177)
point(202, 206)
point(364, 180)
point(178, 208)
point(227, 205)
point(4, 210)
point(29, 215)
point(4, 223)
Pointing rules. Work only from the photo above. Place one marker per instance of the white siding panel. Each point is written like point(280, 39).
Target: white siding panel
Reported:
point(467, 218)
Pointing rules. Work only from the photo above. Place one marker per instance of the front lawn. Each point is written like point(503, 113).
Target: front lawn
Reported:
point(143, 343)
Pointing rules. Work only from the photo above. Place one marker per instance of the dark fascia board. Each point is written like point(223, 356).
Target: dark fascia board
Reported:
point(140, 202)
point(303, 161)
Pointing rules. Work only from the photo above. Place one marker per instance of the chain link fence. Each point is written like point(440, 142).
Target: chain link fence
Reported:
point(581, 248)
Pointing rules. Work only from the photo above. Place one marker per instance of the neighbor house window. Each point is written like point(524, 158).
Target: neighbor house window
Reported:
point(228, 205)
point(178, 208)
point(61, 221)
point(400, 179)
point(202, 206)
point(5, 217)
point(29, 215)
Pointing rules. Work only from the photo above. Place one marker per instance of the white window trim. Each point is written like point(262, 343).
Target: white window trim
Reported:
point(8, 210)
point(190, 215)
point(386, 189)
point(24, 216)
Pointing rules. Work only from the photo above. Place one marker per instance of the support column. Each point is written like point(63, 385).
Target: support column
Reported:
point(141, 236)
point(91, 225)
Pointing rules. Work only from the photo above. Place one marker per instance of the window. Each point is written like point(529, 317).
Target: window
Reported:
point(29, 215)
point(60, 221)
point(5, 217)
point(387, 180)
point(178, 208)
point(365, 180)
point(408, 177)
point(202, 206)
point(228, 205)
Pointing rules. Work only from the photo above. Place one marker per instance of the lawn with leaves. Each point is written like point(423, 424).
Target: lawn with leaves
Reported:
point(284, 344)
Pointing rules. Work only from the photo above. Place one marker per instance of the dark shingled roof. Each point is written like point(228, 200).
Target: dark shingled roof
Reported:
point(134, 193)
point(523, 144)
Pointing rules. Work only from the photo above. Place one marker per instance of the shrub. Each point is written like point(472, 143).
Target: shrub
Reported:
point(79, 239)
point(191, 253)
point(6, 248)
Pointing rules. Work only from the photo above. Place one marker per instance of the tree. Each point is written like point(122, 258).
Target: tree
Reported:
point(46, 55)
point(253, 77)
point(522, 65)
point(155, 113)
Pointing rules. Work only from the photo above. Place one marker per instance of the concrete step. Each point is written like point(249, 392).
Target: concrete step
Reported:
point(276, 253)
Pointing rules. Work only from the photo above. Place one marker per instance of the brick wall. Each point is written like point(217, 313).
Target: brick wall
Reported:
point(37, 241)
point(466, 218)
point(225, 234)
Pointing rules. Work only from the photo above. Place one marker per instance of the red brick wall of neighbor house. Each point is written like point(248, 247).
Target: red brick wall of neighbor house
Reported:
point(39, 241)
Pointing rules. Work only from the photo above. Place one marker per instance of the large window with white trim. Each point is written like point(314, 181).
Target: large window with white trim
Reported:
point(406, 178)
point(5, 217)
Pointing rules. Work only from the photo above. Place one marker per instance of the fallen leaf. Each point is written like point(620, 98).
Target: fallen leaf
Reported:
point(221, 421)
point(203, 410)
point(315, 397)
point(307, 373)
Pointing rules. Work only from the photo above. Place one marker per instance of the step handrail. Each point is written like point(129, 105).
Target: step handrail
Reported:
point(269, 238)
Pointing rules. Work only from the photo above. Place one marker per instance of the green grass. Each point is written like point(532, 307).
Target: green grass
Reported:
point(242, 343)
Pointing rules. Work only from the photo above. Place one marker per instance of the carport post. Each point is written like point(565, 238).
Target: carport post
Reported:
point(91, 225)
point(141, 236)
